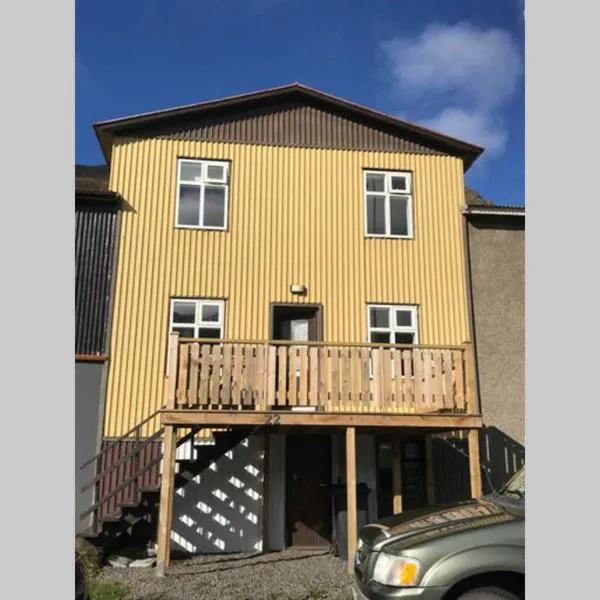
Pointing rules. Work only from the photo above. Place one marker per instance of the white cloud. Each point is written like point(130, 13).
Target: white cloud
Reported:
point(477, 127)
point(468, 73)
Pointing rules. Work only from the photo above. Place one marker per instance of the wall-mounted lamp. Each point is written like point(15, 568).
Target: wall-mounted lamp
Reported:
point(298, 288)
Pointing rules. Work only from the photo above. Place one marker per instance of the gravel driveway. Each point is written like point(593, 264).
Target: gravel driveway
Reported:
point(288, 575)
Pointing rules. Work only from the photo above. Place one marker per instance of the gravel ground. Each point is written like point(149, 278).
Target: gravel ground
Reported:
point(288, 575)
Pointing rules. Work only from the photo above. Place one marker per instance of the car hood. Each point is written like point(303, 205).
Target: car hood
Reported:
point(436, 521)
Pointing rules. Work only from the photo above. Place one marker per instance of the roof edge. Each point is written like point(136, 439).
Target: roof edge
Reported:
point(496, 210)
point(97, 194)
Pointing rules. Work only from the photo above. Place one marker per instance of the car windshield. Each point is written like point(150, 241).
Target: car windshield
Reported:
point(515, 485)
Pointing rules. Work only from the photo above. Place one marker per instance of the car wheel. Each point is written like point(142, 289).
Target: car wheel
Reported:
point(488, 593)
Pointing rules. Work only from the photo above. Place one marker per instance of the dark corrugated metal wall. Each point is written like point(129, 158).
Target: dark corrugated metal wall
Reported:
point(95, 241)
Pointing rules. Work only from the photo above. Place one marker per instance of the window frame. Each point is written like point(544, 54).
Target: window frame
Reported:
point(414, 309)
point(386, 194)
point(392, 329)
point(202, 184)
point(198, 324)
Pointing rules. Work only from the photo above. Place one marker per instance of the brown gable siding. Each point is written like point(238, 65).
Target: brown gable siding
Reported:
point(291, 124)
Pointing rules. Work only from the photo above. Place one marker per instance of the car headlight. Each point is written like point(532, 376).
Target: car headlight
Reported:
point(396, 570)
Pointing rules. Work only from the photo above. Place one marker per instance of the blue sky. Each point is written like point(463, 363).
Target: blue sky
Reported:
point(456, 66)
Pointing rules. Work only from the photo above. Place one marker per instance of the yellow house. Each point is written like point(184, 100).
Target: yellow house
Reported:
point(291, 316)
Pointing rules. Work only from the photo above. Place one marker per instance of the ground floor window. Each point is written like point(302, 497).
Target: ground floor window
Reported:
point(393, 324)
point(197, 318)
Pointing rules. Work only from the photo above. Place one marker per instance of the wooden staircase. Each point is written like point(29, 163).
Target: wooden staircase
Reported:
point(127, 483)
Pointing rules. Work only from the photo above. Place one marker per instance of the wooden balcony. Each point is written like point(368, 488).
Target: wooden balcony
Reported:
point(249, 382)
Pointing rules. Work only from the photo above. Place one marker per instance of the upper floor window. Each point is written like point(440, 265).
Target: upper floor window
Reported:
point(202, 194)
point(388, 204)
point(197, 318)
point(393, 324)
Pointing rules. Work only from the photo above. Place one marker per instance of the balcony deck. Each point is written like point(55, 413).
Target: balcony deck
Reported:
point(251, 383)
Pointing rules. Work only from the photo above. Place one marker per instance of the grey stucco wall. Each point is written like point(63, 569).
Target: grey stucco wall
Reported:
point(88, 393)
point(497, 267)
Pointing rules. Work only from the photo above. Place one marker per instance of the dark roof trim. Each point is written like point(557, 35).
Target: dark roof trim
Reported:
point(504, 211)
point(87, 195)
point(91, 184)
point(106, 130)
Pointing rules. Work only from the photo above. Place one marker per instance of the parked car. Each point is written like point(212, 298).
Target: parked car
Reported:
point(473, 550)
point(81, 589)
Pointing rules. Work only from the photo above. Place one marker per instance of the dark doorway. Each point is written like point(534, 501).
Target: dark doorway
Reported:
point(413, 475)
point(301, 322)
point(308, 491)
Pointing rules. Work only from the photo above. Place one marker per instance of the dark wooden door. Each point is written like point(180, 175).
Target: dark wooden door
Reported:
point(413, 474)
point(308, 490)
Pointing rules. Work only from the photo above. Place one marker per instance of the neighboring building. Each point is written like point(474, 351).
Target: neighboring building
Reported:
point(496, 250)
point(97, 213)
point(277, 248)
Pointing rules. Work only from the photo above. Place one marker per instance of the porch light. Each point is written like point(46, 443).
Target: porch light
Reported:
point(298, 288)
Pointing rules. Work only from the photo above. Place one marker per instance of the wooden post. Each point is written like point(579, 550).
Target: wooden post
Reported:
point(470, 380)
point(266, 543)
point(429, 470)
point(397, 473)
point(165, 511)
point(167, 480)
point(351, 506)
point(171, 370)
point(474, 463)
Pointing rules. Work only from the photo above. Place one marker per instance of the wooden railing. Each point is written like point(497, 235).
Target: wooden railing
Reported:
point(249, 375)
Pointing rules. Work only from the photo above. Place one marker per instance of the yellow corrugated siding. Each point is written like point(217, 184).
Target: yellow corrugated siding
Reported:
point(295, 216)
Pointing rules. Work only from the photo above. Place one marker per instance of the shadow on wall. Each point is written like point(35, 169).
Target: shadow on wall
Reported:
point(500, 455)
point(219, 511)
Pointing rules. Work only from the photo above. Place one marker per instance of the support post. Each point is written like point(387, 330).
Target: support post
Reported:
point(397, 474)
point(351, 506)
point(474, 463)
point(429, 470)
point(471, 380)
point(266, 542)
point(167, 480)
point(165, 514)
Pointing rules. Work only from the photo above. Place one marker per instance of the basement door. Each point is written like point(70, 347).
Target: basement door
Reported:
point(308, 491)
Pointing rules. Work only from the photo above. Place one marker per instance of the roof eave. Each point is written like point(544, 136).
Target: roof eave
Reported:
point(493, 211)
point(105, 195)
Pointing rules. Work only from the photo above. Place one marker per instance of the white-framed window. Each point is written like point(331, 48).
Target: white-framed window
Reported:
point(393, 324)
point(388, 204)
point(197, 318)
point(202, 194)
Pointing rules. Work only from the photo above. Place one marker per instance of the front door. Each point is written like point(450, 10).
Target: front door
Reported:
point(301, 322)
point(308, 490)
point(297, 323)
